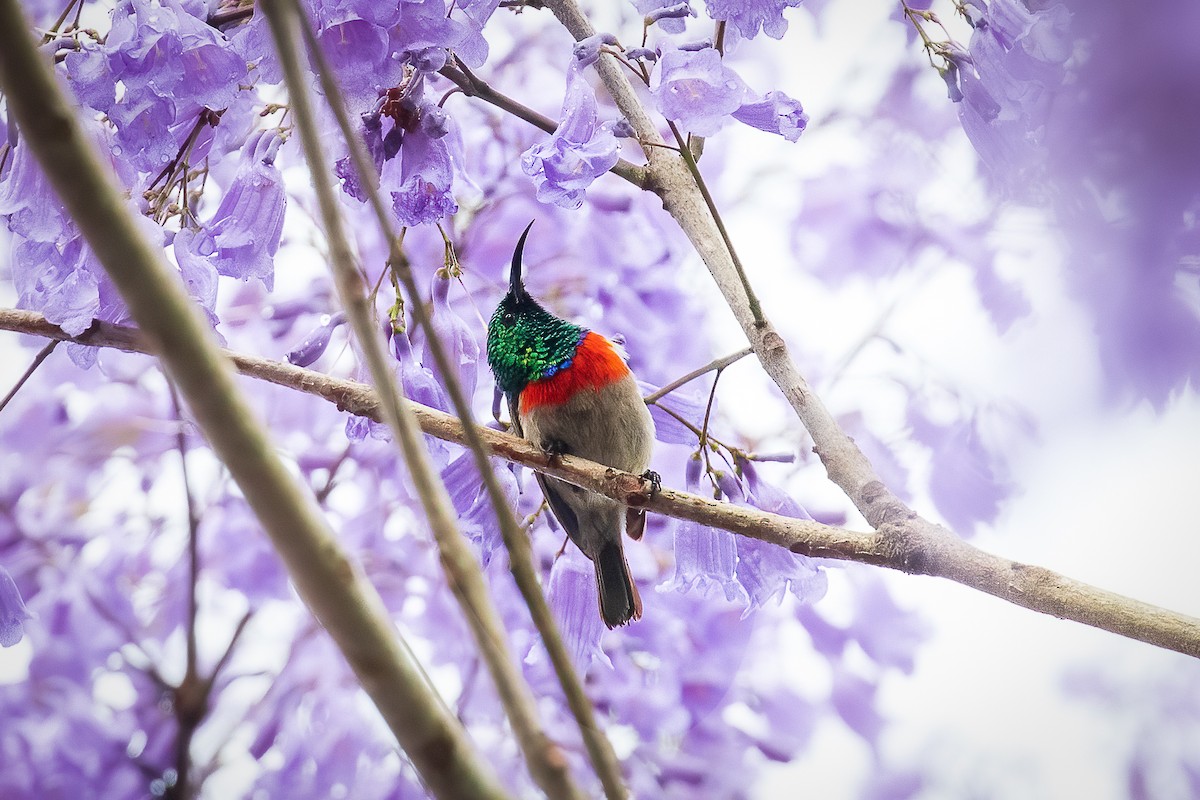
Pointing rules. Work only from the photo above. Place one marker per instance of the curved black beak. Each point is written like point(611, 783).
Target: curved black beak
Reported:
point(516, 286)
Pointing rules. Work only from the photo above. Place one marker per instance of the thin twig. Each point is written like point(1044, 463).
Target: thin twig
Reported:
point(689, 158)
point(332, 585)
point(918, 539)
point(193, 525)
point(717, 364)
point(42, 355)
point(472, 86)
point(947, 556)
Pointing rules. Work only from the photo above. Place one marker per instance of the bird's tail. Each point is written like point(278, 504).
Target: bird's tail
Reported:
point(619, 598)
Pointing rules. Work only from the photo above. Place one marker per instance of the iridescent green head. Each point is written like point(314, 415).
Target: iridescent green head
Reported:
point(526, 342)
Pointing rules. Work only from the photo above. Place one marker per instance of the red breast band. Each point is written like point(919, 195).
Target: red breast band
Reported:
point(596, 365)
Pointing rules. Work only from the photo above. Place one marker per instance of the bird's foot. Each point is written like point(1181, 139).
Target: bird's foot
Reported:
point(554, 449)
point(655, 481)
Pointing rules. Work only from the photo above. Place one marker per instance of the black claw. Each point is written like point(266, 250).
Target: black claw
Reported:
point(655, 481)
point(554, 449)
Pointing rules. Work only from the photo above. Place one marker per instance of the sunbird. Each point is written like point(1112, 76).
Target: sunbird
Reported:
point(570, 392)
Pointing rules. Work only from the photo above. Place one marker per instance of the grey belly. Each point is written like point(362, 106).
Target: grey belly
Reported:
point(611, 426)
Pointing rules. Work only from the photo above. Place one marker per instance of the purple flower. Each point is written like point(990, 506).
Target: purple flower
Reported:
point(424, 175)
point(1121, 152)
point(457, 337)
point(411, 143)
point(669, 15)
point(747, 17)
point(372, 136)
point(586, 51)
point(579, 151)
point(164, 48)
point(854, 699)
point(668, 410)
point(640, 54)
point(768, 570)
point(1006, 86)
point(427, 23)
point(12, 611)
point(968, 483)
point(171, 64)
point(358, 52)
point(887, 633)
point(775, 113)
point(195, 252)
point(696, 89)
point(473, 49)
point(314, 344)
point(91, 76)
point(676, 11)
point(573, 598)
point(705, 558)
point(253, 42)
point(418, 382)
point(248, 223)
point(68, 295)
point(28, 202)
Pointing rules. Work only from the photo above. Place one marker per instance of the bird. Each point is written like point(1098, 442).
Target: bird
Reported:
point(570, 392)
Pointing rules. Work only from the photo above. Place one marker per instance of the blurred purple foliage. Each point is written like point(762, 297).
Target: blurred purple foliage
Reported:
point(93, 542)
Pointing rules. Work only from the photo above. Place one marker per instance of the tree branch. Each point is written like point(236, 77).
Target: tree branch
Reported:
point(331, 584)
point(547, 765)
point(904, 540)
point(520, 562)
point(472, 86)
point(940, 554)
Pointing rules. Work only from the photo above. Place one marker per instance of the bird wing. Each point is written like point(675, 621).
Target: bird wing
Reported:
point(561, 510)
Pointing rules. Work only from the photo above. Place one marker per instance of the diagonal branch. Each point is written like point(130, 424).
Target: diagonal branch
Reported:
point(599, 748)
point(547, 765)
point(903, 540)
point(942, 555)
point(331, 584)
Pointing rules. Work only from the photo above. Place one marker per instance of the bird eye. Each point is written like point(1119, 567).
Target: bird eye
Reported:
point(508, 316)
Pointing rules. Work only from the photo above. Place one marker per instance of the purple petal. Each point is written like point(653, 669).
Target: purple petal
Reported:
point(775, 113)
point(456, 336)
point(65, 293)
point(696, 89)
point(27, 199)
point(750, 16)
point(667, 22)
point(248, 224)
point(706, 561)
point(12, 611)
point(573, 599)
point(767, 571)
point(966, 483)
point(423, 179)
point(669, 409)
point(314, 344)
point(194, 252)
point(579, 151)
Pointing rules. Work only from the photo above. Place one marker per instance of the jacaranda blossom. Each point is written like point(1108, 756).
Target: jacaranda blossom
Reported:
point(580, 150)
point(248, 223)
point(775, 113)
point(12, 611)
point(749, 16)
point(696, 89)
